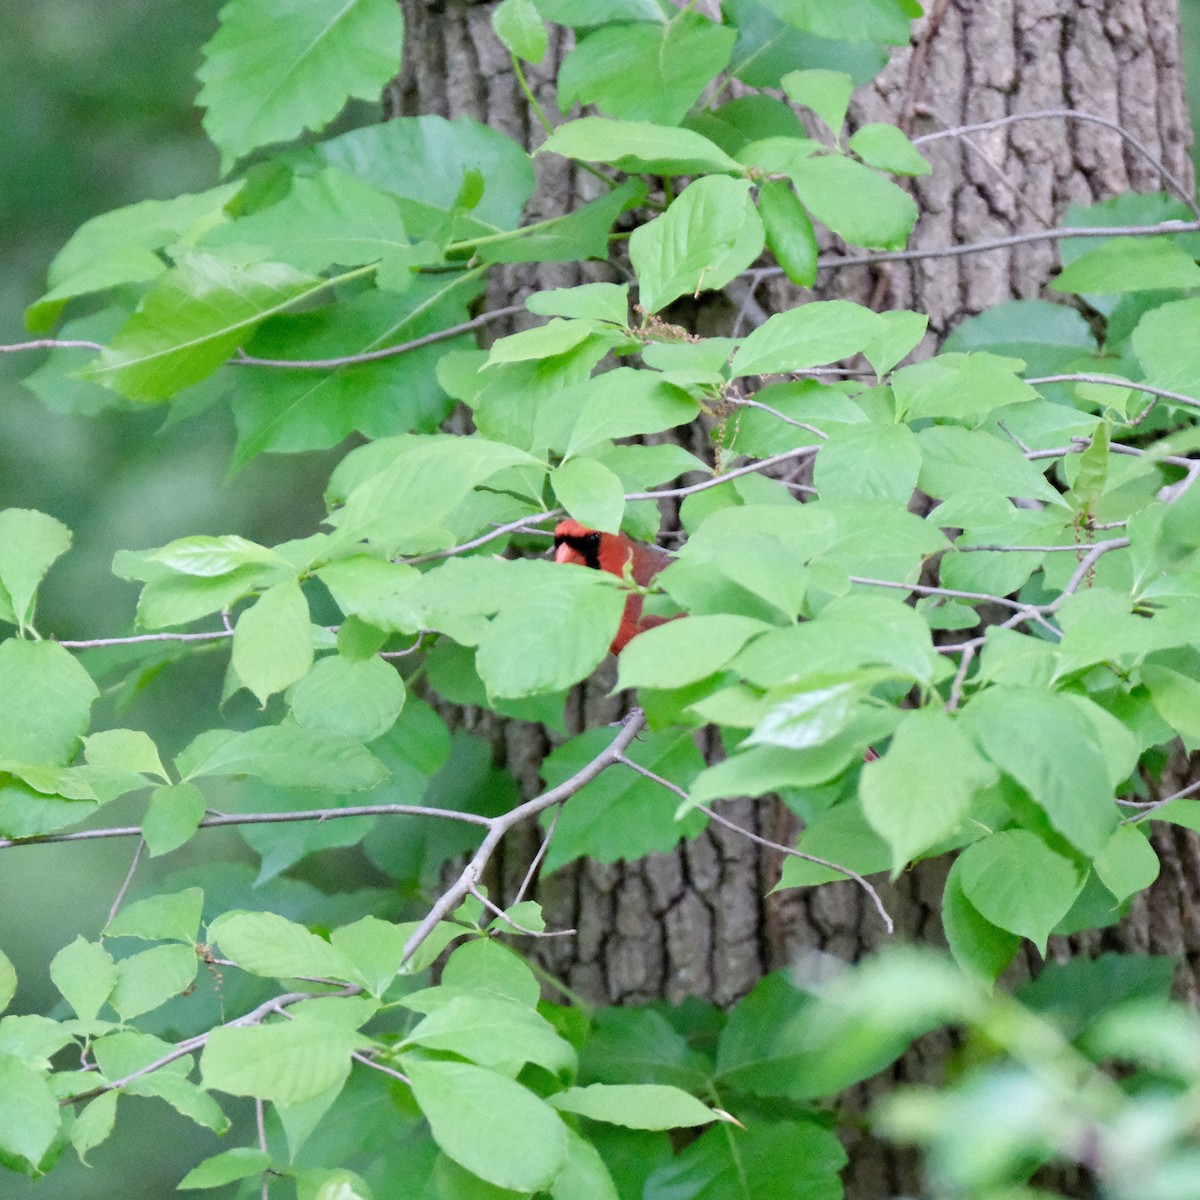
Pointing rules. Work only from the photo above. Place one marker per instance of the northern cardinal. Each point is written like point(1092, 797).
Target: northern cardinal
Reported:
point(614, 552)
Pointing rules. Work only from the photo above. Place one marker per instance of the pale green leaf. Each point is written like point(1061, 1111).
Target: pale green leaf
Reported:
point(291, 756)
point(809, 335)
point(590, 493)
point(488, 1124)
point(209, 557)
point(888, 148)
point(700, 242)
point(685, 651)
point(520, 27)
point(919, 793)
point(1162, 344)
point(29, 1112)
point(84, 973)
point(169, 917)
point(639, 147)
point(192, 319)
point(45, 701)
point(270, 945)
point(30, 542)
point(269, 73)
point(93, 1124)
point(1128, 864)
point(636, 1106)
point(8, 981)
point(124, 750)
point(645, 72)
point(959, 386)
point(870, 462)
point(982, 949)
point(273, 641)
point(826, 92)
point(172, 816)
point(359, 698)
point(1130, 264)
point(374, 948)
point(288, 1062)
point(227, 1167)
point(1017, 882)
point(855, 202)
point(152, 977)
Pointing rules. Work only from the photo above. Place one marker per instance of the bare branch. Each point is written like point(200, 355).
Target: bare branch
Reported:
point(1116, 381)
point(1071, 114)
point(367, 1061)
point(138, 638)
point(499, 826)
point(133, 866)
point(524, 930)
point(922, 589)
point(214, 820)
point(51, 344)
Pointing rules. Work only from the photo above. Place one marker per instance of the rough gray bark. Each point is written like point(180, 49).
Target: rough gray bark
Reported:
point(698, 922)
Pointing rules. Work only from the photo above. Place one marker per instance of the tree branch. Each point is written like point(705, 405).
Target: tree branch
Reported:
point(632, 725)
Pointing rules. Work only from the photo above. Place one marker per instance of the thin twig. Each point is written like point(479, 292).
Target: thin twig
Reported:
point(52, 344)
point(499, 826)
point(213, 820)
point(116, 904)
point(350, 360)
point(1148, 810)
point(1070, 114)
point(960, 678)
point(138, 638)
point(527, 882)
point(524, 930)
point(1115, 381)
point(922, 589)
point(367, 1061)
point(791, 851)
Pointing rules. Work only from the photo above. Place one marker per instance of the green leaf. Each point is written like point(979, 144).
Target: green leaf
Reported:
point(636, 1106)
point(888, 148)
point(267, 944)
point(84, 973)
point(595, 301)
point(645, 72)
point(639, 147)
point(956, 460)
point(773, 1160)
point(173, 815)
point(30, 542)
point(685, 651)
point(375, 949)
point(290, 756)
point(855, 202)
point(170, 917)
point(287, 1063)
point(519, 26)
point(1176, 696)
point(29, 1112)
point(854, 20)
point(242, 1162)
point(552, 630)
point(982, 949)
point(542, 341)
point(959, 386)
point(826, 92)
point(488, 1124)
point(427, 160)
point(45, 701)
point(590, 493)
point(809, 335)
point(788, 230)
point(711, 233)
point(8, 981)
point(872, 462)
point(271, 73)
point(493, 1032)
point(404, 506)
point(152, 977)
point(1128, 864)
point(585, 1176)
point(124, 750)
point(919, 793)
point(1050, 748)
point(360, 699)
point(624, 403)
point(93, 1124)
point(120, 247)
point(192, 319)
point(1130, 264)
point(273, 641)
point(1018, 883)
point(621, 813)
point(1160, 343)
point(327, 218)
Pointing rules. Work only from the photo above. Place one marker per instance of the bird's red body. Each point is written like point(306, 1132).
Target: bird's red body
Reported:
point(616, 554)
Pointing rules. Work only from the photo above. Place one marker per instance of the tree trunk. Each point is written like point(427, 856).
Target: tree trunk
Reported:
point(698, 922)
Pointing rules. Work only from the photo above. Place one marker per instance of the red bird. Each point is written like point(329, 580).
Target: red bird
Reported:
point(614, 552)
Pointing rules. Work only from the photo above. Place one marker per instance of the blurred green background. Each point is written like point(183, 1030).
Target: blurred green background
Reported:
point(99, 112)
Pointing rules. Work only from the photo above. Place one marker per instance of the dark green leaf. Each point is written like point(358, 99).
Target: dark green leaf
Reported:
point(789, 232)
